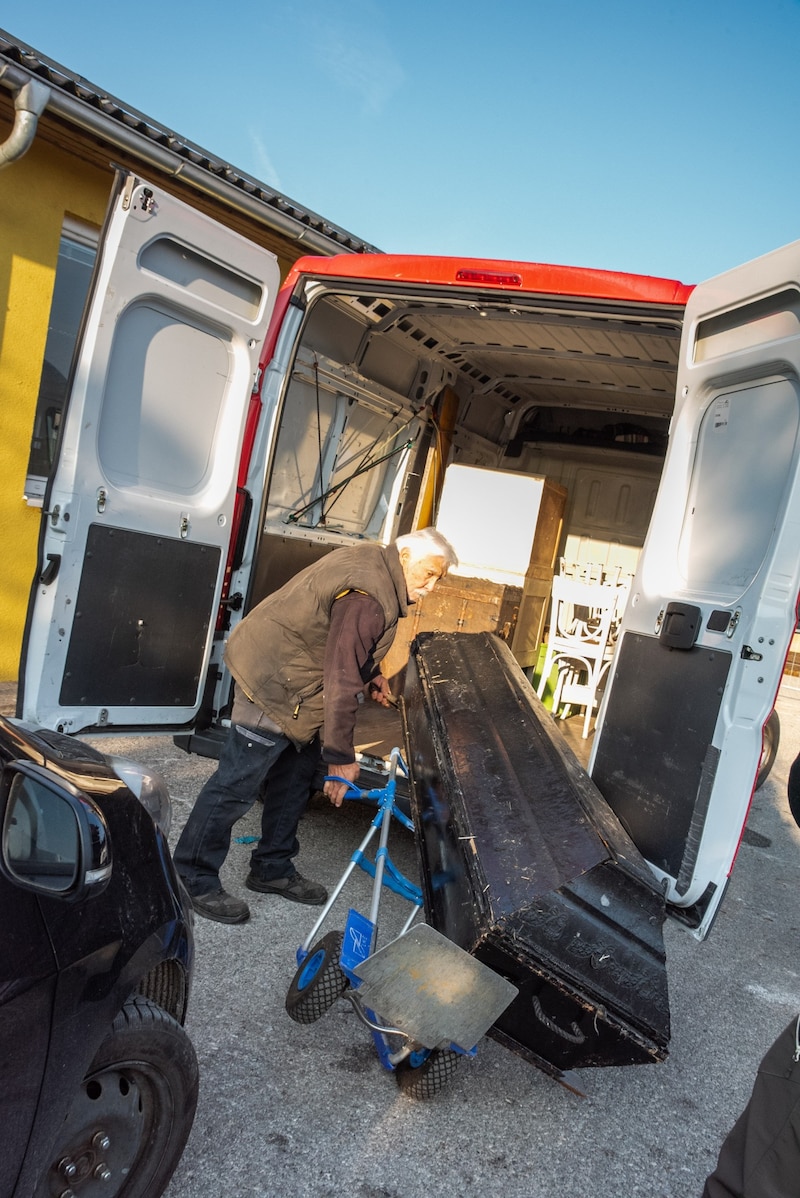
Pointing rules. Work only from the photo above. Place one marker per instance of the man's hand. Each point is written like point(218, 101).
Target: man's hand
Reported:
point(379, 691)
point(337, 790)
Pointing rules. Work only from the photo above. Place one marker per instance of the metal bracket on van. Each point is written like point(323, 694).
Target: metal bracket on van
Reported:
point(750, 654)
point(59, 517)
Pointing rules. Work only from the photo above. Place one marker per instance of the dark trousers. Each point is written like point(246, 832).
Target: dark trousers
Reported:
point(760, 1157)
point(255, 762)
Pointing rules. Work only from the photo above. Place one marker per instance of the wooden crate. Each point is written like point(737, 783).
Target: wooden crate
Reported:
point(456, 604)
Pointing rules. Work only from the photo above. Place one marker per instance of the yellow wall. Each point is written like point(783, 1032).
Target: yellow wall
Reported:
point(35, 195)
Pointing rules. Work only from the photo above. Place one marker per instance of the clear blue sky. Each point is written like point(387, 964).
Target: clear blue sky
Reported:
point(660, 138)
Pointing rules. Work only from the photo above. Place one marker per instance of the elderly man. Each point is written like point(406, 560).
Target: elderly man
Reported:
point(302, 659)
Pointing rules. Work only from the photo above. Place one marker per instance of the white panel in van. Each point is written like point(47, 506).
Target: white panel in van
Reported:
point(616, 503)
point(723, 544)
point(489, 517)
point(165, 389)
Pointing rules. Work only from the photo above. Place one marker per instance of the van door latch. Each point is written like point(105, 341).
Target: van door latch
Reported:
point(234, 602)
point(750, 654)
point(102, 496)
point(679, 625)
point(184, 527)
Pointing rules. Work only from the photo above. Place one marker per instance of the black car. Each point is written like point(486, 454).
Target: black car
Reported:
point(98, 1078)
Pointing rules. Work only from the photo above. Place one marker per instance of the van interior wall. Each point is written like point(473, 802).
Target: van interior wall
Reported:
point(610, 498)
point(576, 394)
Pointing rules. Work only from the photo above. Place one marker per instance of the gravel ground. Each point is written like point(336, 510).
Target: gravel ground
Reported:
point(308, 1111)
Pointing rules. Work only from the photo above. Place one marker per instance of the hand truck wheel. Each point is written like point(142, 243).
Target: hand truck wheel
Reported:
point(318, 982)
point(424, 1073)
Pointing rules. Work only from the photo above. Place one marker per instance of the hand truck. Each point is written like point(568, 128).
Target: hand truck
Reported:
point(435, 1000)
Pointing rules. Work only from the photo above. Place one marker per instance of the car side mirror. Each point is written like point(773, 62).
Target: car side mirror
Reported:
point(55, 840)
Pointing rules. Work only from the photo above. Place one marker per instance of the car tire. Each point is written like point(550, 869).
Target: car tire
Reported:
point(769, 748)
point(793, 790)
point(318, 982)
point(127, 1127)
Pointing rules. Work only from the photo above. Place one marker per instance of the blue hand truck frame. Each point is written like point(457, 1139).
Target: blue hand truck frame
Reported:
point(327, 967)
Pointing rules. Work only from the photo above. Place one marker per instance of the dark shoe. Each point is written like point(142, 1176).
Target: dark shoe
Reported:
point(296, 888)
point(221, 906)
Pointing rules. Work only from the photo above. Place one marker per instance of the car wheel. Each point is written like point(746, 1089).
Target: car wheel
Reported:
point(794, 790)
point(769, 748)
point(319, 981)
point(127, 1127)
point(423, 1074)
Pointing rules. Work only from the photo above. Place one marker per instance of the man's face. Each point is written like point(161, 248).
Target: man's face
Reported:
point(421, 574)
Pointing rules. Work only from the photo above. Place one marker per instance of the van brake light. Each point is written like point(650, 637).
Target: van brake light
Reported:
point(488, 276)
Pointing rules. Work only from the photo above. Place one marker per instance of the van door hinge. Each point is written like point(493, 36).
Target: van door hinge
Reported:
point(59, 518)
point(130, 183)
point(184, 526)
point(102, 496)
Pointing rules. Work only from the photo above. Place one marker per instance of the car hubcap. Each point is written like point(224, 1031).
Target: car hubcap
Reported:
point(102, 1138)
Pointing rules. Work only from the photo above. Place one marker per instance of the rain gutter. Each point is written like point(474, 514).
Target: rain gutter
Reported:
point(237, 192)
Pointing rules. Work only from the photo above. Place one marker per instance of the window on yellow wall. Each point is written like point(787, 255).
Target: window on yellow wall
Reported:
point(76, 255)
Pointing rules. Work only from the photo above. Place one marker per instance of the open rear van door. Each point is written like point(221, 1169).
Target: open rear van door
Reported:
point(138, 517)
point(713, 604)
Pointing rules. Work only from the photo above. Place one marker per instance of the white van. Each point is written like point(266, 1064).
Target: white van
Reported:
point(221, 434)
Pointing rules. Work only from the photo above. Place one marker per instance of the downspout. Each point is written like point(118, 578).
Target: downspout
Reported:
point(30, 101)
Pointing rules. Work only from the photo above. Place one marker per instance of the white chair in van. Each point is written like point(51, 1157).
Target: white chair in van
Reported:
point(581, 642)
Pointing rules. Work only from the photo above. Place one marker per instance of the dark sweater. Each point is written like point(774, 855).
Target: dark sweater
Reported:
point(356, 628)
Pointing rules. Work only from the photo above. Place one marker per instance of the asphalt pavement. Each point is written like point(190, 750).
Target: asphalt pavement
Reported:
point(308, 1111)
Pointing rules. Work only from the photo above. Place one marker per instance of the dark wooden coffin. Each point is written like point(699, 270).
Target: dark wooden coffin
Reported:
point(525, 866)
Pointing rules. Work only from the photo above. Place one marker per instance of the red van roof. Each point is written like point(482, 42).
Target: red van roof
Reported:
point(537, 277)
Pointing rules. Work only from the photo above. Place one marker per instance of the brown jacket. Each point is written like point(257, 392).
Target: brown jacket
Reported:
point(276, 653)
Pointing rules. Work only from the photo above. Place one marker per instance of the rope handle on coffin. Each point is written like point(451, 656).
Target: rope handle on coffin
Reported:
point(576, 1037)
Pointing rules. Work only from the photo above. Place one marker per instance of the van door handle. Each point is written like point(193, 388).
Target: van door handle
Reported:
point(50, 572)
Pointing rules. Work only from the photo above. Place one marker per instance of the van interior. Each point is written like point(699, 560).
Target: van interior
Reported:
point(386, 389)
point(389, 386)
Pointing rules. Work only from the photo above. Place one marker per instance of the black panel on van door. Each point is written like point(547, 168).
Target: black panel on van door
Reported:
point(133, 642)
point(655, 761)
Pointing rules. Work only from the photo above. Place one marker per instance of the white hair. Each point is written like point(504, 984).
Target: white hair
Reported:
point(428, 542)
